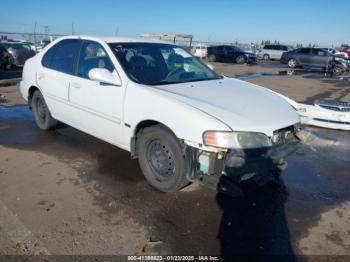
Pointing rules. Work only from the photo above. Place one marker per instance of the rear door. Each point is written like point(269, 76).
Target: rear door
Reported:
point(57, 66)
point(220, 53)
point(274, 52)
point(280, 51)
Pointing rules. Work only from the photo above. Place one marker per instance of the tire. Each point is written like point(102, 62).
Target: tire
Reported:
point(338, 70)
point(292, 63)
point(266, 57)
point(162, 160)
point(42, 115)
point(240, 59)
point(212, 58)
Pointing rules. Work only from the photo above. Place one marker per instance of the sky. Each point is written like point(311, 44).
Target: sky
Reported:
point(323, 22)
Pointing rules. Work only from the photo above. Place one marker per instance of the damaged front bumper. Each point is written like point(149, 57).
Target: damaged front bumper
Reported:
point(245, 164)
point(240, 164)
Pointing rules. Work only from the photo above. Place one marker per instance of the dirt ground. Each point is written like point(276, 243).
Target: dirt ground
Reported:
point(65, 192)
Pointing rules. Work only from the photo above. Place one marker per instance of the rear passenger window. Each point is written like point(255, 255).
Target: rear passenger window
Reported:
point(282, 48)
point(304, 51)
point(64, 55)
point(92, 55)
point(47, 58)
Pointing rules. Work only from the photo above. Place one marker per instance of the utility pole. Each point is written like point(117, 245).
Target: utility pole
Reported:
point(35, 33)
point(72, 28)
point(117, 31)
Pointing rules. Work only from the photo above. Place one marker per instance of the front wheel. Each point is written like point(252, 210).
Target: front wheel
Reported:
point(42, 115)
point(240, 59)
point(338, 70)
point(162, 159)
point(212, 58)
point(292, 63)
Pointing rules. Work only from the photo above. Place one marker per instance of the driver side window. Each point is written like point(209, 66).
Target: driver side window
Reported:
point(92, 55)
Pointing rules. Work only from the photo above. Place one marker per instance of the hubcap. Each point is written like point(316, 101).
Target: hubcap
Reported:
point(161, 160)
point(41, 109)
point(240, 59)
point(337, 71)
point(291, 63)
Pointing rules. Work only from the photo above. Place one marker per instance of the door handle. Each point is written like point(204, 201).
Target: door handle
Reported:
point(75, 85)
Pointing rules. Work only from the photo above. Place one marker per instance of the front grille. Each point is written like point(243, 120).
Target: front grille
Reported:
point(333, 105)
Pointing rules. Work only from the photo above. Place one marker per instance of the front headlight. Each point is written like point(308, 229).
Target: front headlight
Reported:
point(242, 140)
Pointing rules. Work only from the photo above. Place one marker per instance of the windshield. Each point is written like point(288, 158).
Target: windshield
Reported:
point(157, 64)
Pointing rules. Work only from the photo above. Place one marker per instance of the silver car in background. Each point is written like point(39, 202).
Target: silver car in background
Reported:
point(269, 52)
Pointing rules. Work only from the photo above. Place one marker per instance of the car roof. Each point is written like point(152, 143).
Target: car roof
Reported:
point(114, 39)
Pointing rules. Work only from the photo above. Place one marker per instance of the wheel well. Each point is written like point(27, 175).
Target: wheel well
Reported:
point(31, 91)
point(138, 128)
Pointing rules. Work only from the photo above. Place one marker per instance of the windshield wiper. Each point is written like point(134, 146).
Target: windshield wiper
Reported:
point(165, 82)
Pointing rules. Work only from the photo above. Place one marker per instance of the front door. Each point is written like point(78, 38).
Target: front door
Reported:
point(319, 57)
point(97, 106)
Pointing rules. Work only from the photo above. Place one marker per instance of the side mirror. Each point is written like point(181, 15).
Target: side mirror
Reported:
point(210, 66)
point(104, 76)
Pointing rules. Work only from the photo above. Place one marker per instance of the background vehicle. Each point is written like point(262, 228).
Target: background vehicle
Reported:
point(42, 44)
point(346, 50)
point(273, 51)
point(313, 57)
point(335, 51)
point(228, 53)
point(199, 51)
point(4, 57)
point(19, 52)
point(32, 45)
point(157, 101)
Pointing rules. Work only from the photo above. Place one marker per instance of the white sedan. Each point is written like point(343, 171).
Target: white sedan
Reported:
point(154, 99)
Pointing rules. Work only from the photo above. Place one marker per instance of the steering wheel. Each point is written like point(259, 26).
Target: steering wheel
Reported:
point(175, 72)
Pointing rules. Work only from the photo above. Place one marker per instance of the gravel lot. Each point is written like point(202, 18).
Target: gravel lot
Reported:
point(65, 192)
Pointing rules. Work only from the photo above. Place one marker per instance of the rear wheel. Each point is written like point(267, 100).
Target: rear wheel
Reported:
point(42, 115)
point(162, 159)
point(266, 57)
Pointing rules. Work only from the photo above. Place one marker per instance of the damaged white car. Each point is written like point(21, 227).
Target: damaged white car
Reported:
point(177, 116)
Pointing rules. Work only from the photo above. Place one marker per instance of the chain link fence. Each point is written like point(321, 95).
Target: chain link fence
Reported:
point(35, 38)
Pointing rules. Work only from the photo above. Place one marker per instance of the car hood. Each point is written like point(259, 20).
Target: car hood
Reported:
point(240, 105)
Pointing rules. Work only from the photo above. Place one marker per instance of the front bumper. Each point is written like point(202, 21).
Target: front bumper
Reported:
point(242, 164)
point(245, 164)
point(251, 59)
